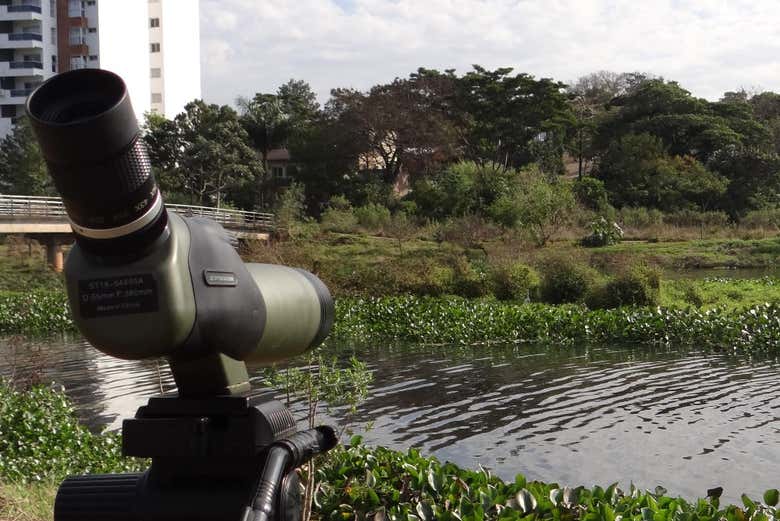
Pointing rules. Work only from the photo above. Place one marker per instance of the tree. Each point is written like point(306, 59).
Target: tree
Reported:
point(536, 204)
point(214, 157)
point(272, 120)
point(684, 124)
point(265, 121)
point(22, 167)
point(394, 127)
point(161, 136)
point(637, 171)
point(506, 113)
point(589, 98)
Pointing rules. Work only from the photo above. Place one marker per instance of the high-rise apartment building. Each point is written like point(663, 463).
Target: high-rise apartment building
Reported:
point(154, 45)
point(28, 53)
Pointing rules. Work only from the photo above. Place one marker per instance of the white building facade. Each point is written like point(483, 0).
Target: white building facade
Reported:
point(154, 45)
point(28, 53)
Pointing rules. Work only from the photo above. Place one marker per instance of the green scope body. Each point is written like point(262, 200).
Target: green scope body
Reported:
point(144, 282)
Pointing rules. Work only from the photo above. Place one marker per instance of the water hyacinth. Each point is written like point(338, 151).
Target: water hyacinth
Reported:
point(358, 482)
point(455, 320)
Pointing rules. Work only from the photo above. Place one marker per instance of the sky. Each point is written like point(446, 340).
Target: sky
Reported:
point(708, 46)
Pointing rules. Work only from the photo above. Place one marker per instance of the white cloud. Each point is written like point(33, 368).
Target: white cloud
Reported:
point(709, 47)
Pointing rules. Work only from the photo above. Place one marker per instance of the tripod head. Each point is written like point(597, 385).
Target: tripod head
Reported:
point(146, 283)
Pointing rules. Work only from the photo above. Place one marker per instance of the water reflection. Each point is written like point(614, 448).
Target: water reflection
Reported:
point(686, 420)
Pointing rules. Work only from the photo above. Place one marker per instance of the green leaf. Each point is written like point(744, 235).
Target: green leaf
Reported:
point(749, 504)
point(771, 497)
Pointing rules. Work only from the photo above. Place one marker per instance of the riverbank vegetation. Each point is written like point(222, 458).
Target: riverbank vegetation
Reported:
point(356, 482)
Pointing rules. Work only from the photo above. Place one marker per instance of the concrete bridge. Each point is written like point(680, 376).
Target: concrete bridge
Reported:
point(44, 219)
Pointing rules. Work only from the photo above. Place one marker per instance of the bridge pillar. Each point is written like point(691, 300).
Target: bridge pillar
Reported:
point(55, 255)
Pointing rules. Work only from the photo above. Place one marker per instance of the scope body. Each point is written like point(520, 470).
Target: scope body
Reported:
point(144, 282)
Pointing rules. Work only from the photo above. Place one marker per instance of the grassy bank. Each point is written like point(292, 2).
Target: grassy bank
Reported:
point(355, 482)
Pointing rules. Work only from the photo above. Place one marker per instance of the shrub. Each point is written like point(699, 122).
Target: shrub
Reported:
point(640, 217)
point(372, 216)
point(694, 218)
point(289, 211)
point(339, 216)
point(635, 287)
point(514, 281)
point(565, 279)
point(42, 440)
point(590, 193)
point(765, 218)
point(469, 280)
point(603, 233)
point(468, 231)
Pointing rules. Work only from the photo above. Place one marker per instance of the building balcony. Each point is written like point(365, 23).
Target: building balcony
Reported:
point(14, 96)
point(20, 12)
point(21, 69)
point(21, 41)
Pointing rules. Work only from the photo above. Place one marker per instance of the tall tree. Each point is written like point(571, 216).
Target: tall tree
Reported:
point(22, 167)
point(214, 155)
point(507, 113)
point(161, 136)
point(394, 126)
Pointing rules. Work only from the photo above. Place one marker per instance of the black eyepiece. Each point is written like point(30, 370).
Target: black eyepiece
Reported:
point(90, 139)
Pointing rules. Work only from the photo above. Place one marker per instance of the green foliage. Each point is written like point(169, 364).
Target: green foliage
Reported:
point(41, 439)
point(514, 281)
point(22, 168)
point(289, 211)
point(508, 113)
point(636, 286)
point(764, 218)
point(543, 207)
point(472, 321)
point(564, 279)
point(339, 217)
point(591, 193)
point(378, 483)
point(603, 233)
point(34, 312)
point(637, 171)
point(372, 216)
point(323, 379)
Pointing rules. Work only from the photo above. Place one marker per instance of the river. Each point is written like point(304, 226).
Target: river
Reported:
point(684, 419)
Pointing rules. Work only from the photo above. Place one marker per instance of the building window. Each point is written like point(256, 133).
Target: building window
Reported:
point(91, 2)
point(53, 63)
point(52, 9)
point(76, 36)
point(93, 57)
point(53, 35)
point(92, 29)
point(277, 172)
point(156, 97)
point(75, 9)
point(8, 111)
point(78, 62)
point(156, 72)
point(155, 47)
point(154, 22)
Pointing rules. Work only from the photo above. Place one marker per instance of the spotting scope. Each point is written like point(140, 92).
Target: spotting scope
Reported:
point(144, 282)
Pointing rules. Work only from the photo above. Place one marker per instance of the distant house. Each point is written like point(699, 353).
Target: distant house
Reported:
point(279, 164)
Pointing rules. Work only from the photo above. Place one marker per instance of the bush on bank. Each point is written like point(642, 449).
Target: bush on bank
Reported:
point(41, 440)
point(35, 312)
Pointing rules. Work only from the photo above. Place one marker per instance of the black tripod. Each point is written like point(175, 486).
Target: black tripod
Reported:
point(213, 458)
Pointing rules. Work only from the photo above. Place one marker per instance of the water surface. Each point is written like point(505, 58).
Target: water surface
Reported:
point(684, 419)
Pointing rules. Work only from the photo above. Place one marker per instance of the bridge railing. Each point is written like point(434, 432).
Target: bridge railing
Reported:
point(17, 207)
